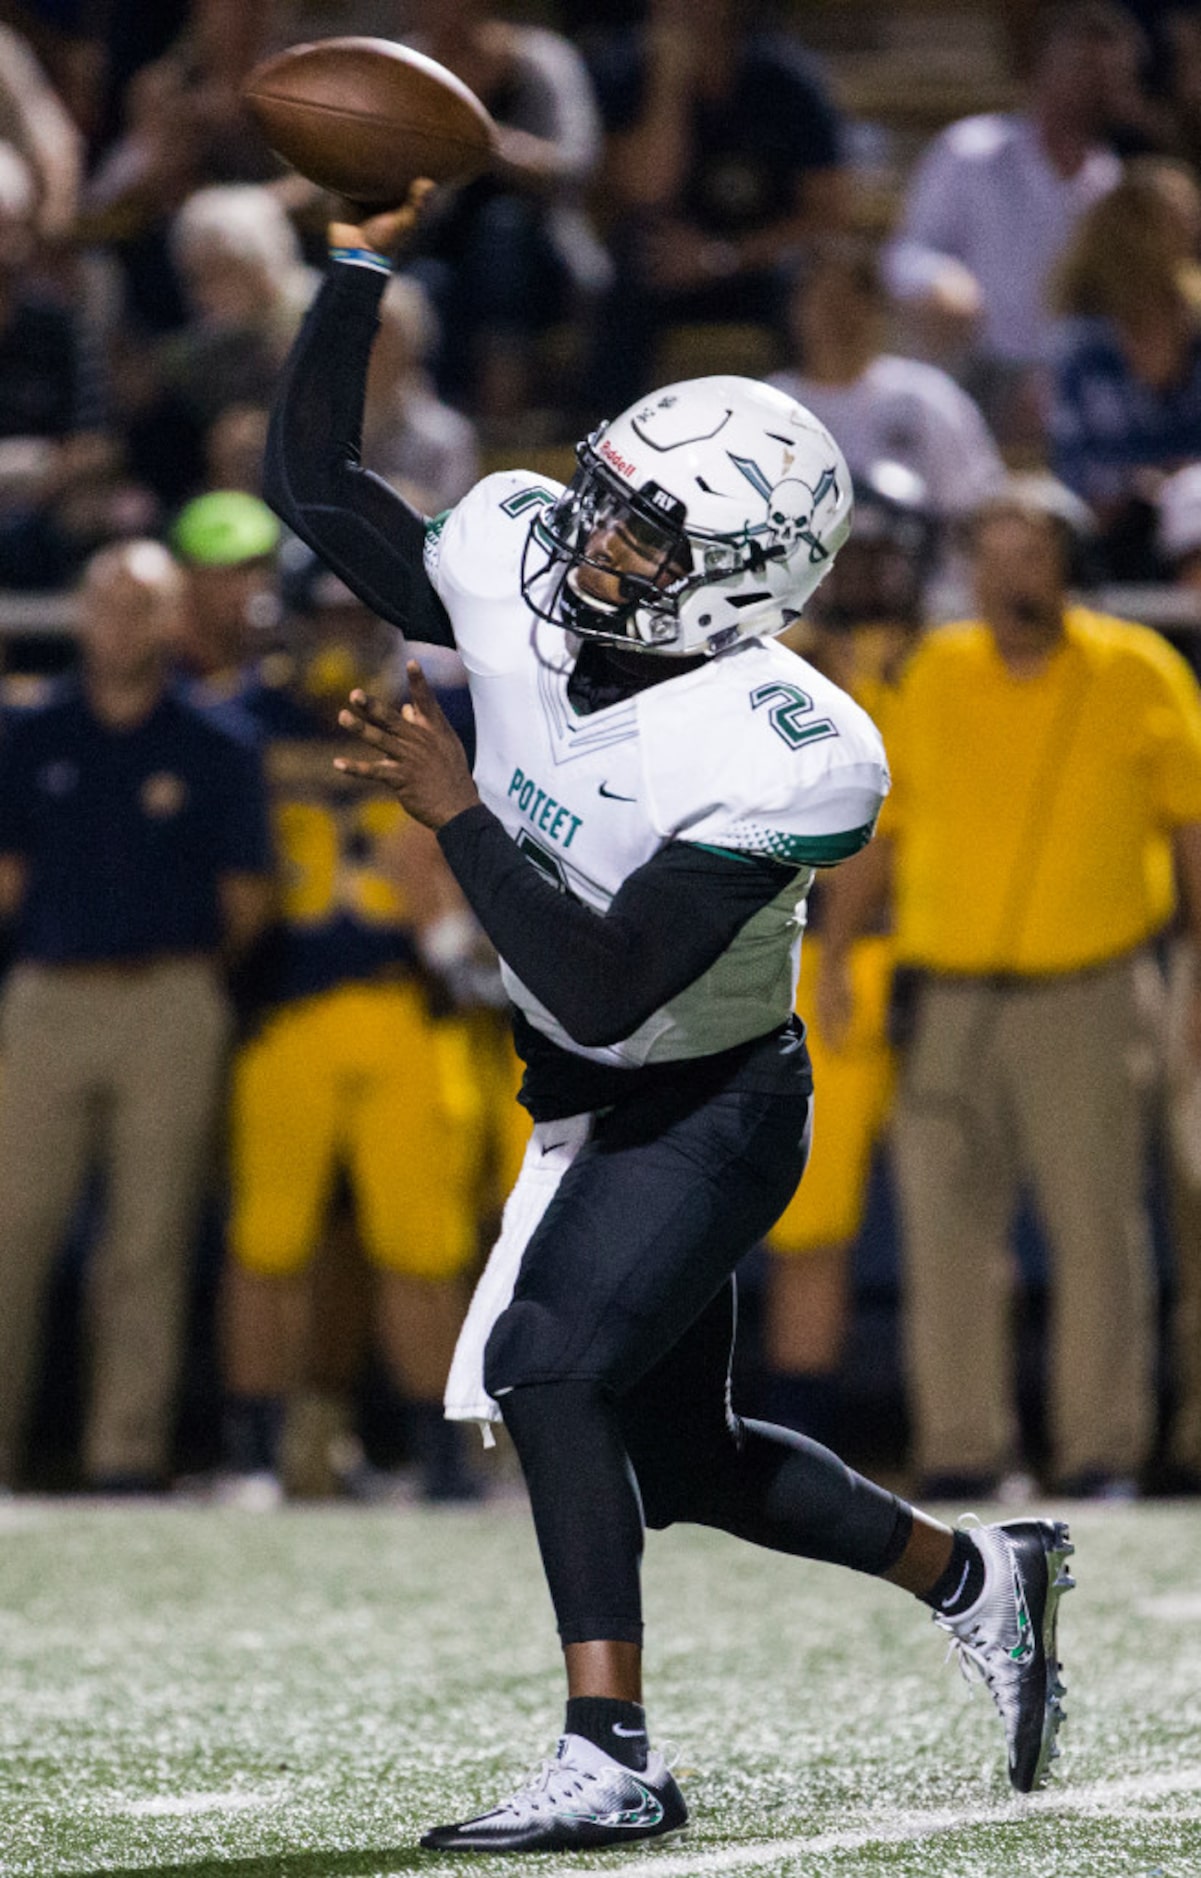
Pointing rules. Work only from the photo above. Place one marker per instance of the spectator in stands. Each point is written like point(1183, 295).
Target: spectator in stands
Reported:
point(724, 159)
point(345, 1073)
point(227, 541)
point(247, 288)
point(52, 400)
point(233, 449)
point(859, 629)
point(34, 119)
point(883, 408)
point(1127, 388)
point(422, 446)
point(1040, 753)
point(993, 202)
point(512, 253)
point(45, 390)
point(133, 860)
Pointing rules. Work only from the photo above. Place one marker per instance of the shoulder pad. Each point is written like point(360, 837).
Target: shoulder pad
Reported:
point(761, 754)
point(475, 546)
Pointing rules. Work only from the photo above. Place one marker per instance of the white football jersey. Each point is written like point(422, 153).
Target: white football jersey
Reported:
point(754, 753)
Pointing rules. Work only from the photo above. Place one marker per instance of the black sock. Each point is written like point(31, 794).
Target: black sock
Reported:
point(252, 1426)
point(618, 1728)
point(963, 1580)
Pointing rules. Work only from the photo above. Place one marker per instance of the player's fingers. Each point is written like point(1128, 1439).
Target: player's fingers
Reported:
point(422, 695)
point(379, 771)
point(367, 733)
point(389, 231)
point(374, 711)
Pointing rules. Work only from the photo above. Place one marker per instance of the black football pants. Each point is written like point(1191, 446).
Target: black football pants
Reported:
point(611, 1364)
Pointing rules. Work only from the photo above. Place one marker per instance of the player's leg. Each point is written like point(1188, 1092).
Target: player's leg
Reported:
point(53, 1048)
point(697, 1461)
point(284, 1125)
point(162, 1134)
point(956, 1162)
point(995, 1590)
point(666, 1195)
point(414, 1147)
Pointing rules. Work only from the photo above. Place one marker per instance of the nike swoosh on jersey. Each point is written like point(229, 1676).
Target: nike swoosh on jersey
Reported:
point(611, 795)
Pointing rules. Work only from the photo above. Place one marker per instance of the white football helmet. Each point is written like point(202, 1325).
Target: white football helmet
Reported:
point(740, 493)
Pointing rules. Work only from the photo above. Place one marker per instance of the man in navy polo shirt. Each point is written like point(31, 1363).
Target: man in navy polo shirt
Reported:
point(134, 857)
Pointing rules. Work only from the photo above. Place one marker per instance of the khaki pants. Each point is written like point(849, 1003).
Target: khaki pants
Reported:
point(120, 1066)
point(1183, 1115)
point(1044, 1085)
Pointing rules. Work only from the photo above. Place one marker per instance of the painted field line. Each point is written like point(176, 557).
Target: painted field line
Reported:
point(1105, 1796)
point(187, 1805)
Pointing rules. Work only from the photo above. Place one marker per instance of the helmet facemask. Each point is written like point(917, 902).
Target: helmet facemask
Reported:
point(597, 527)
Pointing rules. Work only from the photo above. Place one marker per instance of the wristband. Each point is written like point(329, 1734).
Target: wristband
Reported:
point(362, 257)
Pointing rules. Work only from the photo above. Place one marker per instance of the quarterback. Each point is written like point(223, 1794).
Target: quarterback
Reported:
point(656, 781)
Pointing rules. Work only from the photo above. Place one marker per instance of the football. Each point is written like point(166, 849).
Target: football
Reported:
point(365, 117)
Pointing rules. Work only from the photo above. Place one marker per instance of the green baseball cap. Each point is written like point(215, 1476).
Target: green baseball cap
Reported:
point(224, 529)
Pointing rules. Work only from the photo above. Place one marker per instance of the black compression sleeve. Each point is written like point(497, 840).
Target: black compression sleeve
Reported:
point(603, 974)
point(313, 476)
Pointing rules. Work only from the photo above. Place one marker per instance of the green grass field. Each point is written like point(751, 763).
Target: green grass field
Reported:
point(200, 1692)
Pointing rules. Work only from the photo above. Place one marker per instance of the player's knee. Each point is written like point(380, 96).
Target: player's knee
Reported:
point(660, 1508)
point(520, 1349)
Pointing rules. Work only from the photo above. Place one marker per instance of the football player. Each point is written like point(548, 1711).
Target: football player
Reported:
point(655, 783)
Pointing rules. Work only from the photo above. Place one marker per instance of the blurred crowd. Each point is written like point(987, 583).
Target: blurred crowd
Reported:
point(255, 1077)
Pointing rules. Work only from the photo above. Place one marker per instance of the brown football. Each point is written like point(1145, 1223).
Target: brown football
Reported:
point(365, 117)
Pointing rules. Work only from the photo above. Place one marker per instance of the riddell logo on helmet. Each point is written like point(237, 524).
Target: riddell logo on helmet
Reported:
point(620, 463)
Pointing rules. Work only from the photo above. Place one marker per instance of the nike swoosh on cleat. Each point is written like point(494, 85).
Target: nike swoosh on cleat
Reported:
point(648, 1814)
point(629, 1734)
point(611, 795)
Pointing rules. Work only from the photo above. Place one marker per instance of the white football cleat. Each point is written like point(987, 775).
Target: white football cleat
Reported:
point(581, 1798)
point(1008, 1637)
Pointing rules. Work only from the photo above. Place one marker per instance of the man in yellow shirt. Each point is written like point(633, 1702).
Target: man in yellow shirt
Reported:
point(1047, 800)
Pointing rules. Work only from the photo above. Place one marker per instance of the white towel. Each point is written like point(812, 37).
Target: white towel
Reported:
point(553, 1147)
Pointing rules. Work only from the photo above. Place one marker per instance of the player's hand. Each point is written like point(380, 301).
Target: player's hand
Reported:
point(388, 232)
point(417, 754)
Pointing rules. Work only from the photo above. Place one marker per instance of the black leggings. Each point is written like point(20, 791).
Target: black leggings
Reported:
point(612, 1362)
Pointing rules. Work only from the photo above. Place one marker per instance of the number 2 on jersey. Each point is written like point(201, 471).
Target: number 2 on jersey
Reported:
point(787, 705)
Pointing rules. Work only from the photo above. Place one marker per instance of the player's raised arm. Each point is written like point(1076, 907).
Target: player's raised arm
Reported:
point(313, 474)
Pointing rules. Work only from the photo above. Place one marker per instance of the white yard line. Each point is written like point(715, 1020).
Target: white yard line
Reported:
point(187, 1805)
point(1107, 1796)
